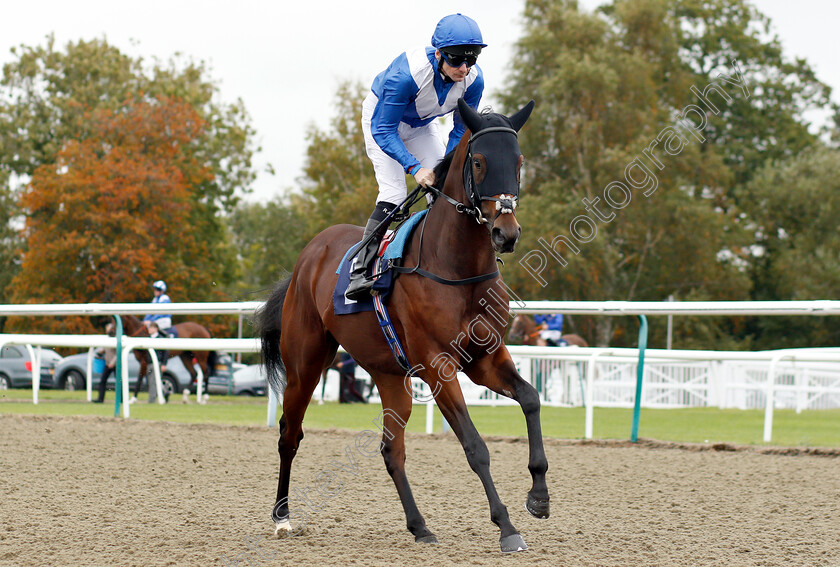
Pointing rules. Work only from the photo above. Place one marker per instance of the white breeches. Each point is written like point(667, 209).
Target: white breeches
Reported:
point(425, 143)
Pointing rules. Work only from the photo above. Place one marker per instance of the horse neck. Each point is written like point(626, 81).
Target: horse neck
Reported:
point(133, 325)
point(461, 247)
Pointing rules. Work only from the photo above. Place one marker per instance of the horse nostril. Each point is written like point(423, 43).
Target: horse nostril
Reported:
point(497, 235)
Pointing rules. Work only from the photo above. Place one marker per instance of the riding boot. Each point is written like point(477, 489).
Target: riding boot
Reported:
point(360, 283)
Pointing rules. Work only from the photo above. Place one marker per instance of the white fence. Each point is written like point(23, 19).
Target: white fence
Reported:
point(797, 379)
point(129, 344)
point(801, 379)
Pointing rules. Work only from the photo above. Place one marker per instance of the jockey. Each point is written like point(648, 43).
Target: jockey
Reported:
point(163, 321)
point(399, 121)
point(551, 328)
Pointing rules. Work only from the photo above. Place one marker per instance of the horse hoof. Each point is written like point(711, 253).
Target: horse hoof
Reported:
point(430, 538)
point(537, 508)
point(513, 543)
point(283, 527)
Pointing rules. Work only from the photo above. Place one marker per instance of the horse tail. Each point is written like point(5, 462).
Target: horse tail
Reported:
point(269, 320)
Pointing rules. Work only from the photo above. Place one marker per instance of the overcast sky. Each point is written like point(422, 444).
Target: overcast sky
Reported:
point(285, 59)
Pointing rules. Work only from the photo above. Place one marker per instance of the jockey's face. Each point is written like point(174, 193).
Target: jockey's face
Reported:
point(457, 74)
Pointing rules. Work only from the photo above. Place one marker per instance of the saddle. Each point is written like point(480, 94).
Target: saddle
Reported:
point(390, 255)
point(170, 333)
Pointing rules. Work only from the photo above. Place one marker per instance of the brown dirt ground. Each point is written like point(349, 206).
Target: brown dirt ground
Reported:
point(93, 491)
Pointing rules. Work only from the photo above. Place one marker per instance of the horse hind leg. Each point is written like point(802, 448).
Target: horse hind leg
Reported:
point(302, 375)
point(396, 404)
point(201, 358)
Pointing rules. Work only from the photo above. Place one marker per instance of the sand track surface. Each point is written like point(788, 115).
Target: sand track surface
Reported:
point(94, 491)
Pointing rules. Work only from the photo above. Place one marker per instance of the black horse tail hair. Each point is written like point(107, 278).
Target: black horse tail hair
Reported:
point(269, 319)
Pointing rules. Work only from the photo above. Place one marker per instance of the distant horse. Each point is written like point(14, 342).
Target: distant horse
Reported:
point(443, 315)
point(134, 327)
point(524, 329)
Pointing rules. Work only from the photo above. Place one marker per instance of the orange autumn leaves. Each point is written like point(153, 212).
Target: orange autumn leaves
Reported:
point(115, 208)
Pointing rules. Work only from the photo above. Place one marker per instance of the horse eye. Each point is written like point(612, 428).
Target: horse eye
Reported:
point(477, 164)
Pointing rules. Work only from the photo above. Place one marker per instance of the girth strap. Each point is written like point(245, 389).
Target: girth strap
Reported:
point(387, 327)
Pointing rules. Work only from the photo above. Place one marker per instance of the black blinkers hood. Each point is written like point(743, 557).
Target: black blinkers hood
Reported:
point(494, 136)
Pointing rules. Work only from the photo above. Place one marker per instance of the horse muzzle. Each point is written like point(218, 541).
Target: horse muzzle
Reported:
point(504, 228)
point(504, 238)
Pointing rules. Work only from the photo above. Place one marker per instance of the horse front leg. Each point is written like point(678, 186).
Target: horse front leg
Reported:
point(396, 409)
point(450, 400)
point(498, 373)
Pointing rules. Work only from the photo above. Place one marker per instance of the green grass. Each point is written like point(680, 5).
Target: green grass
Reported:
point(816, 428)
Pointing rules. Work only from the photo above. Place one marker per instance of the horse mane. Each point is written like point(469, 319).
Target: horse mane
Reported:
point(441, 170)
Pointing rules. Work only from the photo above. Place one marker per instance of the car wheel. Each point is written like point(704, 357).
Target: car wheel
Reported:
point(74, 381)
point(170, 384)
point(245, 393)
point(5, 382)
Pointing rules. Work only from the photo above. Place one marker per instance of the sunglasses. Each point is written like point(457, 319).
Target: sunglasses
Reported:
point(458, 60)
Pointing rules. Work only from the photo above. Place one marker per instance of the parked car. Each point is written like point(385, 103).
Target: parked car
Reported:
point(70, 374)
point(16, 367)
point(247, 381)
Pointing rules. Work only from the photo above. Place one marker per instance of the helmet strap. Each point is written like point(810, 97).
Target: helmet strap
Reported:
point(443, 75)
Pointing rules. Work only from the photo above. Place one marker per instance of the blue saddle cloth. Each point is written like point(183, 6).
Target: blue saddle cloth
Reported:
point(385, 281)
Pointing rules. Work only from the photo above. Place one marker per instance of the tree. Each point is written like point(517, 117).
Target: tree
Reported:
point(269, 238)
point(48, 94)
point(48, 98)
point(338, 184)
point(617, 203)
point(9, 240)
point(117, 210)
point(770, 124)
point(795, 204)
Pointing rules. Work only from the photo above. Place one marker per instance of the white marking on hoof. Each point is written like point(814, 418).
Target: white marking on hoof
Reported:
point(283, 527)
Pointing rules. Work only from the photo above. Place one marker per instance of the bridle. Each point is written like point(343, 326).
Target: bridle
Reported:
point(504, 204)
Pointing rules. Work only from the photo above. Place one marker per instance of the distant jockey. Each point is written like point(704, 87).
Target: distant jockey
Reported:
point(164, 321)
point(551, 328)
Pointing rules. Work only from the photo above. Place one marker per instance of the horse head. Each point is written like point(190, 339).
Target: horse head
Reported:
point(492, 171)
point(518, 328)
point(523, 330)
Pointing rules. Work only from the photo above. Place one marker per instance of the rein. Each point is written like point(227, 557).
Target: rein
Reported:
point(434, 277)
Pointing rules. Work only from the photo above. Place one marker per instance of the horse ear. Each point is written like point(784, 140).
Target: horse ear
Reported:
point(471, 118)
point(518, 120)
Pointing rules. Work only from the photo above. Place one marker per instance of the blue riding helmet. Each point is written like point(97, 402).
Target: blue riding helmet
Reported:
point(160, 286)
point(457, 29)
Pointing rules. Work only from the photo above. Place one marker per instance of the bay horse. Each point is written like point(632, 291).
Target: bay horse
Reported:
point(524, 329)
point(134, 327)
point(443, 328)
